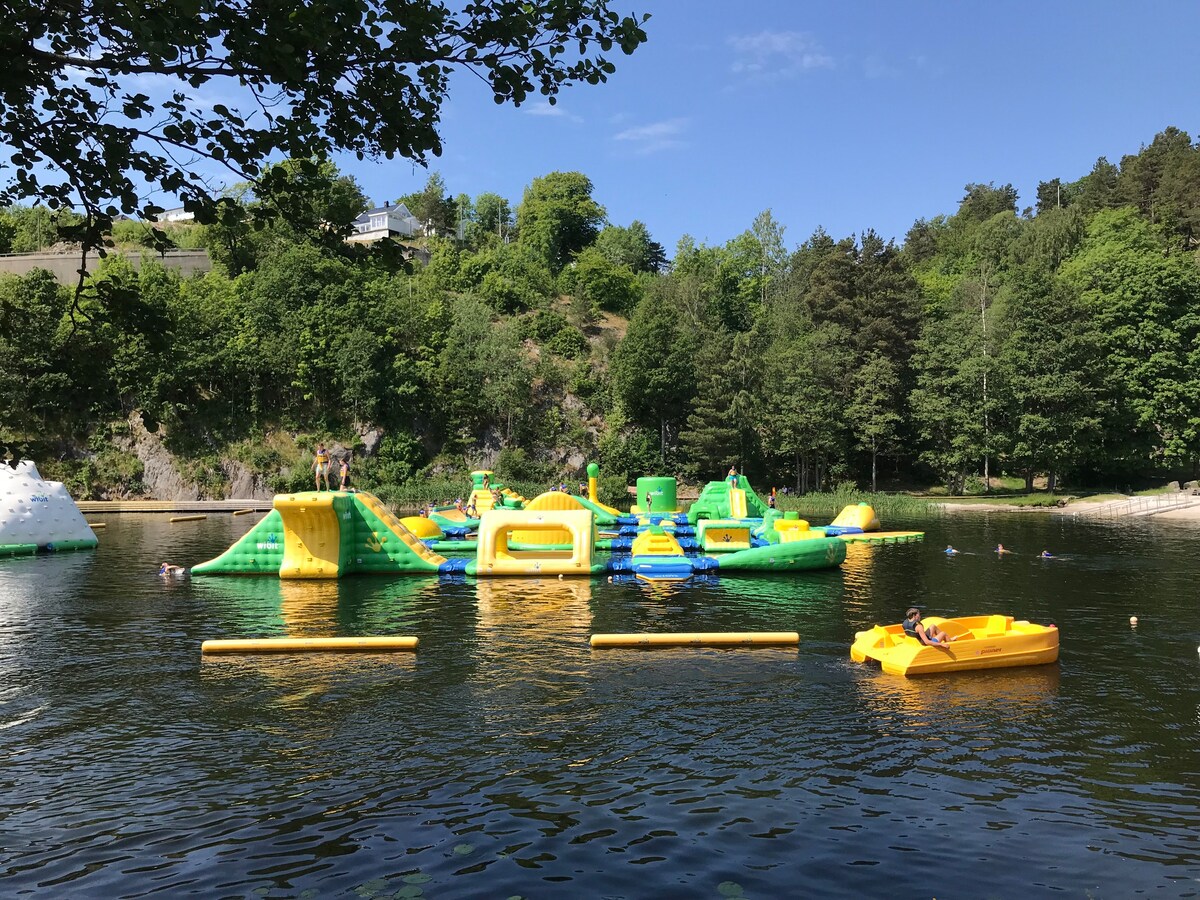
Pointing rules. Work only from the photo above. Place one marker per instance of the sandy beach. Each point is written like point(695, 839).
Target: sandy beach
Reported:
point(1185, 515)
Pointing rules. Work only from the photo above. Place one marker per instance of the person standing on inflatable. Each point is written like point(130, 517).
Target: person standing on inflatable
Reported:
point(345, 472)
point(732, 477)
point(321, 465)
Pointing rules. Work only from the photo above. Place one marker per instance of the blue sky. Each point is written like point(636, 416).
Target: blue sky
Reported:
point(842, 115)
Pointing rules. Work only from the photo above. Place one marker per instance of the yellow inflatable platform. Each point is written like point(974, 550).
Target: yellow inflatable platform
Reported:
point(495, 556)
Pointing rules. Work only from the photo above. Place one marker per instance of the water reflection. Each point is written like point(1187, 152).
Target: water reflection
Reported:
point(997, 694)
point(857, 570)
point(505, 756)
point(537, 607)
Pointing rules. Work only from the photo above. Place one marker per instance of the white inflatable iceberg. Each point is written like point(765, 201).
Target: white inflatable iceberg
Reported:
point(38, 515)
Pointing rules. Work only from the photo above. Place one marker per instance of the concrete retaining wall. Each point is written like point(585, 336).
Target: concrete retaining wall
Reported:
point(65, 266)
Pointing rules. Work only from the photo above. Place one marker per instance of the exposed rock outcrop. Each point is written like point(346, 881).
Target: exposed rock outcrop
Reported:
point(243, 483)
point(160, 477)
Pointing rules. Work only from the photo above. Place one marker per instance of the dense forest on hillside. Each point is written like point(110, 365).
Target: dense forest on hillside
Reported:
point(1060, 340)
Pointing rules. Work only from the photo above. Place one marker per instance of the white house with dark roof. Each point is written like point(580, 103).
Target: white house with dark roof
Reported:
point(178, 214)
point(385, 221)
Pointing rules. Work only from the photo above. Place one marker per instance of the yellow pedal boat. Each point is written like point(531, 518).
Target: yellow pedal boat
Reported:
point(980, 642)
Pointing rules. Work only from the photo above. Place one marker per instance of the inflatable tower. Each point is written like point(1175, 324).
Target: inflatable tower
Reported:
point(38, 515)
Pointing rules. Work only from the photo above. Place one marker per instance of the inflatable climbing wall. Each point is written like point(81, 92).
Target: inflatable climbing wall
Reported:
point(38, 515)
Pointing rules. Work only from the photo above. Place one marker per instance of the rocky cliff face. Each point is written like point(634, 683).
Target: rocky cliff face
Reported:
point(244, 484)
point(163, 480)
point(159, 475)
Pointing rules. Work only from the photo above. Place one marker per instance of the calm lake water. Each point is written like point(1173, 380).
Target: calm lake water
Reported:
point(505, 758)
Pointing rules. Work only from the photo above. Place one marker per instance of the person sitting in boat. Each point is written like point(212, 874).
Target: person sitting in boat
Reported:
point(166, 570)
point(930, 637)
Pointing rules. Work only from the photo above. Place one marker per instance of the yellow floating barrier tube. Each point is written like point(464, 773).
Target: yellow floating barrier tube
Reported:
point(699, 639)
point(95, 525)
point(187, 518)
point(310, 645)
point(242, 512)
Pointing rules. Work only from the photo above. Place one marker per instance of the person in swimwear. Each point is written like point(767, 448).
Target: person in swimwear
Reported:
point(166, 570)
point(321, 466)
point(930, 637)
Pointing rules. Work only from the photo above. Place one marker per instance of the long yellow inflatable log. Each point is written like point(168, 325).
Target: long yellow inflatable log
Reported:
point(242, 512)
point(309, 645)
point(95, 525)
point(187, 518)
point(699, 639)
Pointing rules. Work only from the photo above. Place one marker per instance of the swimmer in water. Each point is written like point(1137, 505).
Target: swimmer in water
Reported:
point(1046, 554)
point(166, 570)
point(950, 551)
point(1000, 551)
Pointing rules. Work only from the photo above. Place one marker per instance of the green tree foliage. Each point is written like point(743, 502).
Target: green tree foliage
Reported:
point(1063, 344)
point(1163, 182)
point(705, 287)
point(36, 385)
point(947, 405)
point(434, 207)
point(1050, 357)
point(301, 201)
point(653, 374)
point(807, 386)
point(493, 220)
point(558, 217)
point(983, 201)
point(1142, 300)
point(482, 378)
point(507, 276)
point(631, 247)
point(598, 284)
point(312, 200)
point(27, 229)
point(873, 410)
point(720, 428)
point(365, 78)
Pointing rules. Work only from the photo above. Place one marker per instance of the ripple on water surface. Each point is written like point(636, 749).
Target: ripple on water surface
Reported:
point(506, 757)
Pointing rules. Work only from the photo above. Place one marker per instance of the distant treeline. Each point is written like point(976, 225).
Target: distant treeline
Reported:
point(1060, 340)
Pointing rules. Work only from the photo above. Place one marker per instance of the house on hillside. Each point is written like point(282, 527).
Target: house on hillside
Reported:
point(178, 214)
point(386, 221)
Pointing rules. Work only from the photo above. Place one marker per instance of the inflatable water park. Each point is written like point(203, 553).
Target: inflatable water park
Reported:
point(38, 516)
point(496, 532)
